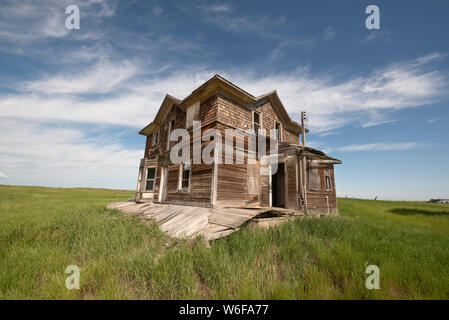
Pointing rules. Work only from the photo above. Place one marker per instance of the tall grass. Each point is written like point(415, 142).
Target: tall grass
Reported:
point(43, 230)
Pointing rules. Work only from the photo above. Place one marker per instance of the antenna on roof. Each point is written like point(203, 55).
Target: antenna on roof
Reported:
point(303, 127)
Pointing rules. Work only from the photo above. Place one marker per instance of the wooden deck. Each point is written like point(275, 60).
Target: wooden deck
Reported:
point(187, 221)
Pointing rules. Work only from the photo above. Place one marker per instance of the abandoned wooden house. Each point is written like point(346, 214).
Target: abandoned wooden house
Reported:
point(304, 179)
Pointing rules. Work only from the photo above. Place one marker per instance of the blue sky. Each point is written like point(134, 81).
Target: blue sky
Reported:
point(72, 101)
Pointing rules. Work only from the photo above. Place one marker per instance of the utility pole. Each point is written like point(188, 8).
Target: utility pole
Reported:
point(304, 160)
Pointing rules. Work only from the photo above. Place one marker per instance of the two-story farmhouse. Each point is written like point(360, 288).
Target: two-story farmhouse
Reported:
point(303, 179)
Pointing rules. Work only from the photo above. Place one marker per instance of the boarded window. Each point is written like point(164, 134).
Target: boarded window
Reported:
point(193, 113)
point(151, 174)
point(154, 140)
point(313, 178)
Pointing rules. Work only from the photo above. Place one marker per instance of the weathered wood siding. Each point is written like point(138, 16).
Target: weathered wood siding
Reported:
point(233, 114)
point(291, 191)
point(199, 192)
point(316, 199)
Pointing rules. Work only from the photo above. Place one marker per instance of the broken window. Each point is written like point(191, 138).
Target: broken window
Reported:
point(185, 176)
point(256, 123)
point(151, 174)
point(278, 131)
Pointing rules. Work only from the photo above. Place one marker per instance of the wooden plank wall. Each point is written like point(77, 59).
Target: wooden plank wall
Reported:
point(316, 199)
point(291, 201)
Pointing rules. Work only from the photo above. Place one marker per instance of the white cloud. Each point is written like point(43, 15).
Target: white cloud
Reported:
point(3, 176)
point(28, 21)
point(102, 77)
point(34, 153)
point(329, 33)
point(157, 11)
point(333, 103)
point(436, 119)
point(373, 123)
point(133, 101)
point(226, 19)
point(217, 7)
point(380, 146)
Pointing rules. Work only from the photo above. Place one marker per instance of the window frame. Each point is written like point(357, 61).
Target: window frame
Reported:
point(153, 179)
point(170, 129)
point(182, 179)
point(280, 130)
point(256, 132)
point(155, 141)
point(310, 169)
point(327, 175)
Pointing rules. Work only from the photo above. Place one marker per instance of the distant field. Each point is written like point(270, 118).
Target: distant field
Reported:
point(43, 230)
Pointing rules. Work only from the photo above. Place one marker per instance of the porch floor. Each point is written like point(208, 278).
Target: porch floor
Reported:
point(187, 221)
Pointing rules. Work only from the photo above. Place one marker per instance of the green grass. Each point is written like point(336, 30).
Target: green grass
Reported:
point(43, 230)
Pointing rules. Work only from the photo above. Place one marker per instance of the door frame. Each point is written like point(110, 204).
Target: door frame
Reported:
point(163, 184)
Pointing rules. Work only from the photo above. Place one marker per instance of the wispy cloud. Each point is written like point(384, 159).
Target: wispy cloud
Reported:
point(217, 7)
point(135, 97)
point(3, 176)
point(382, 35)
point(102, 77)
point(330, 33)
point(224, 17)
point(333, 103)
point(28, 21)
point(380, 146)
point(373, 123)
point(157, 11)
point(436, 119)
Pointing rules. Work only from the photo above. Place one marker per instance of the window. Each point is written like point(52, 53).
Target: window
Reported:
point(278, 131)
point(154, 140)
point(151, 174)
point(256, 127)
point(256, 122)
point(327, 178)
point(313, 178)
point(185, 176)
point(171, 127)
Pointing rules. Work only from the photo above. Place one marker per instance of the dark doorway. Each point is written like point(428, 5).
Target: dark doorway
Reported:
point(278, 187)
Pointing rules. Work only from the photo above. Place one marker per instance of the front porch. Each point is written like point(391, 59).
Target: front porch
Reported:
point(181, 221)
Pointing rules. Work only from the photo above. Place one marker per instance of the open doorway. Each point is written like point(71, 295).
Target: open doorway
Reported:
point(278, 187)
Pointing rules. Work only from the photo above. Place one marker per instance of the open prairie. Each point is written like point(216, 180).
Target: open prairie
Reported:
point(43, 230)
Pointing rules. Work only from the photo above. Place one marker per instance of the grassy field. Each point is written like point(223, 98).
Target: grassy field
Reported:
point(43, 230)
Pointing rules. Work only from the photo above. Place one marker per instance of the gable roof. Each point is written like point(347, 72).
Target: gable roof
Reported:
point(220, 84)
